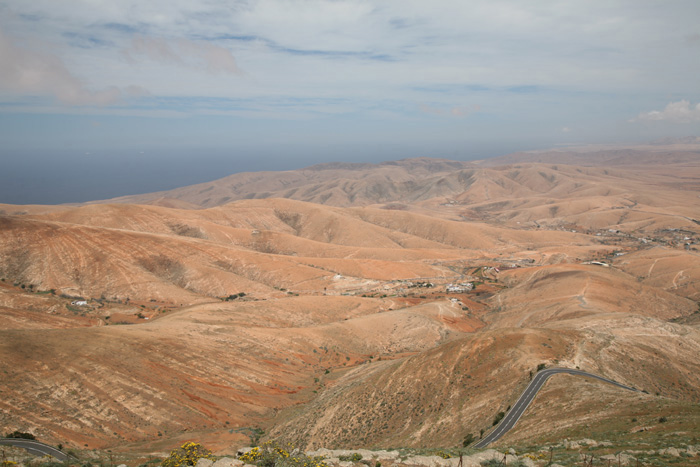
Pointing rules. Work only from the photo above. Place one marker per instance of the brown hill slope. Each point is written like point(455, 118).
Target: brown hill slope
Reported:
point(634, 190)
point(439, 396)
point(180, 256)
point(402, 361)
point(203, 368)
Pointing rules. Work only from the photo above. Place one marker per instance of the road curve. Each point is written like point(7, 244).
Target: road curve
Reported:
point(36, 448)
point(527, 397)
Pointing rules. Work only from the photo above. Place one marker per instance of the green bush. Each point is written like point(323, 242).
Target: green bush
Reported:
point(20, 434)
point(469, 439)
point(498, 418)
point(354, 457)
point(186, 455)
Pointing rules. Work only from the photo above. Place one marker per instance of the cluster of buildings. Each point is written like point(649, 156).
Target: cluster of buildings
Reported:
point(462, 287)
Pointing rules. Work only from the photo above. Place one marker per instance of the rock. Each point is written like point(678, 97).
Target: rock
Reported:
point(673, 452)
point(588, 442)
point(321, 452)
point(527, 462)
point(226, 462)
point(571, 445)
point(622, 458)
point(366, 454)
point(385, 455)
point(511, 451)
point(486, 455)
point(428, 461)
point(204, 462)
point(467, 461)
point(244, 450)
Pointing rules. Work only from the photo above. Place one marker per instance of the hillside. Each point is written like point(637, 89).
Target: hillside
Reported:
point(328, 322)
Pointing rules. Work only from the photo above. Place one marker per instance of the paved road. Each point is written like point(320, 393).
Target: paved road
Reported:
point(36, 448)
point(529, 394)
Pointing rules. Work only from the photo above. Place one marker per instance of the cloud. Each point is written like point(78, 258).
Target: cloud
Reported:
point(184, 52)
point(679, 112)
point(29, 72)
point(566, 129)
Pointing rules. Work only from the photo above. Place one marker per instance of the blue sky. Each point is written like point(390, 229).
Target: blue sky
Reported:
point(214, 87)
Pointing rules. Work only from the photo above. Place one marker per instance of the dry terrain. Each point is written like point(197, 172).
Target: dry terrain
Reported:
point(313, 304)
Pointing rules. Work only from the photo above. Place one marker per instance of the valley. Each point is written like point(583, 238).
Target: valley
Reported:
point(400, 304)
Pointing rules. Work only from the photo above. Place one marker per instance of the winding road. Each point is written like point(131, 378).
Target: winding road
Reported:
point(36, 448)
point(527, 397)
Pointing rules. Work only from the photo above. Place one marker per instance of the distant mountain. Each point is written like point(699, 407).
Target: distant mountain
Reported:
point(421, 180)
point(335, 184)
point(679, 140)
point(659, 154)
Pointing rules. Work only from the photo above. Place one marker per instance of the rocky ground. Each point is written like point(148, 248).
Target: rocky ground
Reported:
point(566, 452)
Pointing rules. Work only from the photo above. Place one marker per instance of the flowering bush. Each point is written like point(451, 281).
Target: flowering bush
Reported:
point(186, 455)
point(271, 454)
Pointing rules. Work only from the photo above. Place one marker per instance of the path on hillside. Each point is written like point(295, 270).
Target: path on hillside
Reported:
point(36, 448)
point(527, 397)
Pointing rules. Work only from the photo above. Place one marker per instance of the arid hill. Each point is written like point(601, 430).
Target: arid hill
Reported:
point(323, 315)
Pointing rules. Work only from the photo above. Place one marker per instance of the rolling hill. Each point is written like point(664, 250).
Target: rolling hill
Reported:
point(313, 304)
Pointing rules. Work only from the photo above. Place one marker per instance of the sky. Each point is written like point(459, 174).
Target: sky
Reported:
point(106, 98)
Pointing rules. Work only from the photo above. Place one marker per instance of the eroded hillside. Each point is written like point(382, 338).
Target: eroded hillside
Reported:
point(137, 326)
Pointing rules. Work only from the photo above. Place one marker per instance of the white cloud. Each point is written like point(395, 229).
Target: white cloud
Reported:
point(28, 72)
point(410, 51)
point(183, 52)
point(679, 112)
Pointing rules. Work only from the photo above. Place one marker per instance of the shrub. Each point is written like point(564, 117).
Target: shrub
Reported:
point(20, 434)
point(541, 367)
point(469, 439)
point(354, 457)
point(271, 454)
point(498, 418)
point(186, 455)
